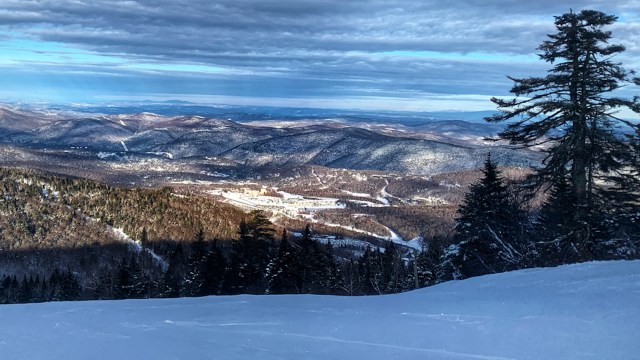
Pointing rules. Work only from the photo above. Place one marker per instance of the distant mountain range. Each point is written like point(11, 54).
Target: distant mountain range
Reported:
point(243, 113)
point(255, 139)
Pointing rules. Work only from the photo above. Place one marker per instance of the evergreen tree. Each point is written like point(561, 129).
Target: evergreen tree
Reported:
point(174, 276)
point(260, 227)
point(196, 267)
point(234, 282)
point(371, 272)
point(351, 279)
point(63, 286)
point(56, 292)
point(14, 287)
point(305, 267)
point(215, 265)
point(282, 273)
point(573, 111)
point(124, 282)
point(308, 260)
point(70, 287)
point(144, 237)
point(140, 282)
point(489, 234)
point(4, 289)
point(554, 227)
point(250, 255)
point(394, 271)
point(39, 288)
point(314, 264)
point(622, 226)
point(330, 280)
point(365, 272)
point(426, 262)
point(25, 290)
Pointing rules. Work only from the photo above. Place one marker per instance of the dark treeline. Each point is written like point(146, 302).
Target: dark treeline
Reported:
point(255, 263)
point(59, 286)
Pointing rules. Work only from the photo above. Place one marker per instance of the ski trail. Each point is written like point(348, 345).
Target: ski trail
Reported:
point(137, 246)
point(385, 196)
point(346, 227)
point(313, 171)
point(397, 239)
point(122, 236)
point(394, 237)
point(442, 352)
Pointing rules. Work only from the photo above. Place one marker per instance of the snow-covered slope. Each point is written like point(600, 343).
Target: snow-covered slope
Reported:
point(585, 311)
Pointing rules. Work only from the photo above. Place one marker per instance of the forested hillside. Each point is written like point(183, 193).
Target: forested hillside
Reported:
point(51, 225)
point(41, 212)
point(67, 239)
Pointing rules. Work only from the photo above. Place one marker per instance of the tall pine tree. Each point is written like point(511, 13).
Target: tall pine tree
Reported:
point(573, 112)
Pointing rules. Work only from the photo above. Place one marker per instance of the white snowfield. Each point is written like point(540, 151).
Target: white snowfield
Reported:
point(585, 311)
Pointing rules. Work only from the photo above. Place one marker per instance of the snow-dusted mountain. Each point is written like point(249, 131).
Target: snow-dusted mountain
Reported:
point(353, 143)
point(583, 311)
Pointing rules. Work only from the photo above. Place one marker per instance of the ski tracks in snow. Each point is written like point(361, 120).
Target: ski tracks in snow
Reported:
point(440, 352)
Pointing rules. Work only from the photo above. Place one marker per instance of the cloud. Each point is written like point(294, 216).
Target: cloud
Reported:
point(181, 29)
point(308, 47)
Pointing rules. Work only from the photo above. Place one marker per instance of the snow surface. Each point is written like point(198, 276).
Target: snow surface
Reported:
point(585, 311)
point(104, 155)
point(161, 153)
point(365, 195)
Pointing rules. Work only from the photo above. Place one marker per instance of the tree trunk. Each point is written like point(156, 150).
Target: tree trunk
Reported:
point(580, 163)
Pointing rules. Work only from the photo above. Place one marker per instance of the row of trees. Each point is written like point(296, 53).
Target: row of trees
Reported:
point(258, 263)
point(255, 263)
point(60, 286)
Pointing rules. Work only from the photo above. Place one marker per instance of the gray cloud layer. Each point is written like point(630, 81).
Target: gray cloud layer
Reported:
point(316, 46)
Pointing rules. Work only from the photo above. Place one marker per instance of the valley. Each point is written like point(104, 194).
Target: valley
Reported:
point(370, 180)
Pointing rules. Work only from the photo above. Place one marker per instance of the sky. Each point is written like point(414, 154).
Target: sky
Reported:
point(412, 55)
